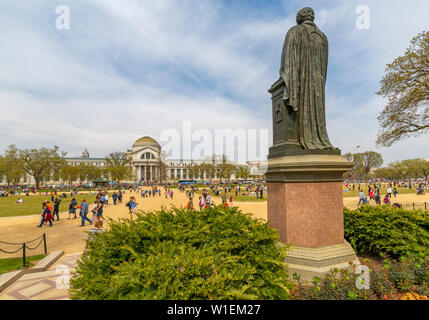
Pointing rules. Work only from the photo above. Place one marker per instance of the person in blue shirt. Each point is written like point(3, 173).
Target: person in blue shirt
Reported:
point(84, 208)
point(361, 197)
point(115, 198)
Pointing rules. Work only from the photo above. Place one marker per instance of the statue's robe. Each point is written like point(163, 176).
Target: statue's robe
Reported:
point(303, 69)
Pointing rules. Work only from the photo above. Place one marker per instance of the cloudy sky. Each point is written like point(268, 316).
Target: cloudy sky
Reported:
point(127, 69)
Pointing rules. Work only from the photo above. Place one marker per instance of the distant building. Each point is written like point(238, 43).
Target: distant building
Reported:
point(150, 163)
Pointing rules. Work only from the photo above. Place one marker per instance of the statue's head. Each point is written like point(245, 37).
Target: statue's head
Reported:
point(305, 14)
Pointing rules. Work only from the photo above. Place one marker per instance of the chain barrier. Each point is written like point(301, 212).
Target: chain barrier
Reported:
point(24, 246)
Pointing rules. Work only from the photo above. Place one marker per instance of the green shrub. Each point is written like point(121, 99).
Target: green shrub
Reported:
point(396, 232)
point(218, 253)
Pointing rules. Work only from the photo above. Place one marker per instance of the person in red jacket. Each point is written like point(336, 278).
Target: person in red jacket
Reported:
point(46, 215)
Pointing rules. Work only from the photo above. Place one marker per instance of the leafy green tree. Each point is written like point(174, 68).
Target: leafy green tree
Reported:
point(370, 160)
point(69, 173)
point(363, 163)
point(242, 172)
point(93, 173)
point(194, 171)
point(83, 169)
point(162, 169)
point(403, 170)
point(224, 168)
point(356, 171)
point(209, 167)
point(2, 168)
point(41, 163)
point(406, 86)
point(118, 166)
point(12, 166)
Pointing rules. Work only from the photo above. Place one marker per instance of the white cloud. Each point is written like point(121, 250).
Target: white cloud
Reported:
point(132, 68)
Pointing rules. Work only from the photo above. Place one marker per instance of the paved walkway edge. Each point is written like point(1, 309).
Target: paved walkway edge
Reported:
point(7, 279)
point(46, 262)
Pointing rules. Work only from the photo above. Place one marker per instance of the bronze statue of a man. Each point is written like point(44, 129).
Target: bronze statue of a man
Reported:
point(303, 69)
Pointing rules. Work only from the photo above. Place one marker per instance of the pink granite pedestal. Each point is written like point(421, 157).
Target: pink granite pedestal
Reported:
point(307, 214)
point(305, 205)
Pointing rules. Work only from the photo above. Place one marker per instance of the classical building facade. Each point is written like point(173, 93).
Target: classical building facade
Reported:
point(150, 163)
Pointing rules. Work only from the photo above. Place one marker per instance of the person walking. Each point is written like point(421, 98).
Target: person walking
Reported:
point(378, 199)
point(94, 218)
point(201, 203)
point(190, 204)
point(389, 192)
point(49, 205)
point(132, 205)
point(115, 198)
point(100, 205)
point(84, 209)
point(361, 197)
point(46, 215)
point(72, 208)
point(56, 209)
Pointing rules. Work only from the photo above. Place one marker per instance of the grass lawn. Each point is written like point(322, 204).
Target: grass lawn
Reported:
point(33, 204)
point(13, 264)
point(239, 198)
point(383, 192)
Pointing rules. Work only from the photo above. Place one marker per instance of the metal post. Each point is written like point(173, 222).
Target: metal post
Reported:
point(425, 207)
point(44, 242)
point(23, 254)
point(414, 208)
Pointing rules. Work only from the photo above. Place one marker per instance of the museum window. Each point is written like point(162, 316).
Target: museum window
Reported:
point(148, 156)
point(178, 175)
point(172, 173)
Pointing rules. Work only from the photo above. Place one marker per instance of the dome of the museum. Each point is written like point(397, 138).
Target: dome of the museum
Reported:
point(145, 141)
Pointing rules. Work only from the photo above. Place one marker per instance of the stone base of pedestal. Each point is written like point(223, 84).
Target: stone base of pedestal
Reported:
point(315, 262)
point(305, 205)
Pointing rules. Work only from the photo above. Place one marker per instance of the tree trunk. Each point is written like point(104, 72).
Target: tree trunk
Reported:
point(37, 183)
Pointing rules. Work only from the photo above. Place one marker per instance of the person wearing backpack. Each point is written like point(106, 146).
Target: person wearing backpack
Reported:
point(190, 204)
point(56, 209)
point(46, 215)
point(72, 208)
point(387, 200)
point(378, 199)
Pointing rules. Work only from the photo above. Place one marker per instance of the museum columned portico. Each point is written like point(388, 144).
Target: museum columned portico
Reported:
point(146, 159)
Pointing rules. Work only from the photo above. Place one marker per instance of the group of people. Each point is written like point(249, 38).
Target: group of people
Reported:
point(50, 211)
point(375, 195)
